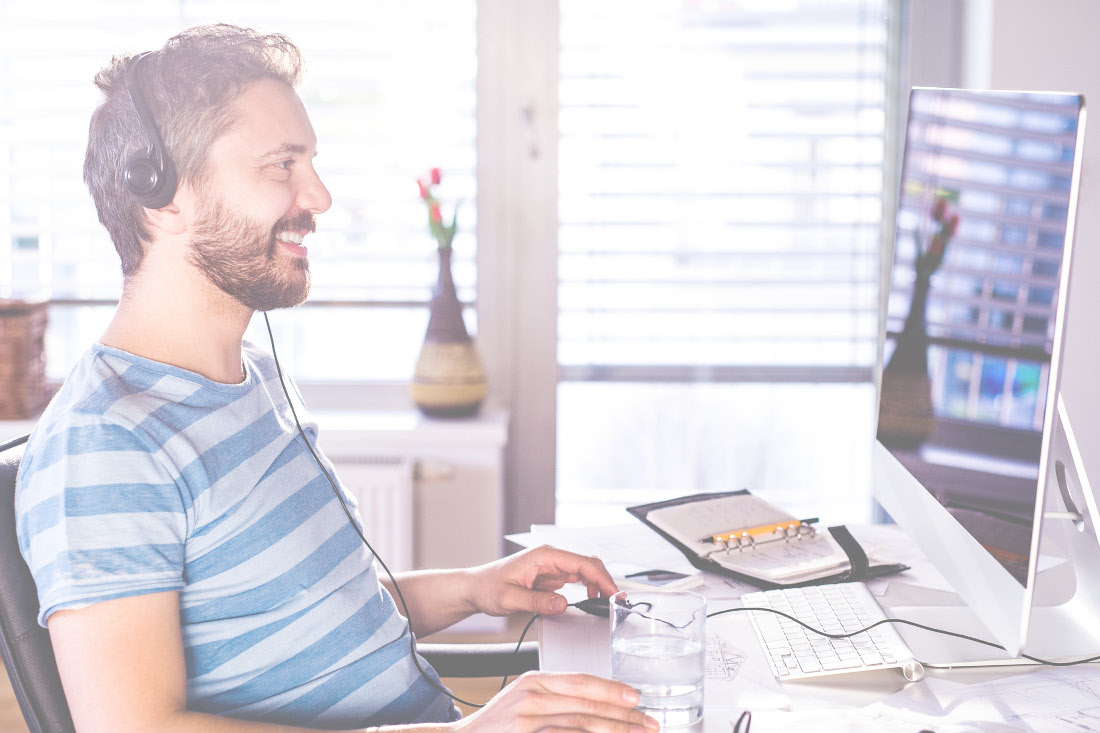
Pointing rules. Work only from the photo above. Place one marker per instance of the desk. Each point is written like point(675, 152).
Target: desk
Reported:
point(1051, 700)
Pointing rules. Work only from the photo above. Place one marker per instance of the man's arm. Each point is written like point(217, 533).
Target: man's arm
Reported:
point(523, 582)
point(122, 667)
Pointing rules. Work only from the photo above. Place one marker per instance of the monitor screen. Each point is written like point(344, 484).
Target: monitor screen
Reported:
point(986, 196)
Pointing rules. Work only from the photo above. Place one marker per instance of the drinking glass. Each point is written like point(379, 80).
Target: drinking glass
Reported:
point(658, 647)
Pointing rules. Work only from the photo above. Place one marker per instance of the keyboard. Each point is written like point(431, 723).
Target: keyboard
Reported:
point(795, 652)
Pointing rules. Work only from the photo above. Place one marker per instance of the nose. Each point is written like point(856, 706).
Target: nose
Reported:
point(313, 196)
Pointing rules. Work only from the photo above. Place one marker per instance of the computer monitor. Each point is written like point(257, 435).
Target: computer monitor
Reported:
point(975, 455)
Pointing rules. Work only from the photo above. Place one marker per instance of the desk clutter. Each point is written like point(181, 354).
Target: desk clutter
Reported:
point(741, 673)
point(742, 536)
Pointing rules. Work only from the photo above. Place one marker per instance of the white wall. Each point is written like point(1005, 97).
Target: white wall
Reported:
point(1055, 45)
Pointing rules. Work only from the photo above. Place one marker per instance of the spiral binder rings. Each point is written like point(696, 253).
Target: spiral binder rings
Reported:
point(744, 537)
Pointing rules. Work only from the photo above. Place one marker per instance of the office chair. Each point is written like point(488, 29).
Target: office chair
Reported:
point(25, 646)
point(28, 653)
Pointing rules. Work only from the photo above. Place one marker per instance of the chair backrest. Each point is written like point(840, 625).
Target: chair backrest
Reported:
point(25, 646)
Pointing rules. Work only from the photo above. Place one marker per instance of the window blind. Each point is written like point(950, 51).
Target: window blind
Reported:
point(990, 315)
point(720, 206)
point(721, 189)
point(390, 88)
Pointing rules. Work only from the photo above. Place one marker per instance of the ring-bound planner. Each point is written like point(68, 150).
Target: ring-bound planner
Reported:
point(742, 536)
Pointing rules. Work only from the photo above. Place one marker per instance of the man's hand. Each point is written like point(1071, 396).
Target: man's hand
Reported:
point(527, 580)
point(524, 582)
point(541, 701)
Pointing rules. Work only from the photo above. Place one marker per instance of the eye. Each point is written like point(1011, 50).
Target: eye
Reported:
point(285, 164)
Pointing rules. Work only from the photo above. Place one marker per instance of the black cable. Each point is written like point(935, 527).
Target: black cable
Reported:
point(355, 526)
point(519, 643)
point(933, 629)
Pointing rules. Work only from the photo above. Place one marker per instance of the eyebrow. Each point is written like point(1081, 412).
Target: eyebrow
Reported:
point(286, 148)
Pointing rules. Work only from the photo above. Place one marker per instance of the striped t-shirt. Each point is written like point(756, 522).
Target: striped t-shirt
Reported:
point(143, 477)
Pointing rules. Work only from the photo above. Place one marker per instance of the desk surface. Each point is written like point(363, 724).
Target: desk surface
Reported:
point(988, 699)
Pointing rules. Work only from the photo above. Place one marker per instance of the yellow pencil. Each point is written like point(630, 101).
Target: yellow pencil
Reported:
point(764, 529)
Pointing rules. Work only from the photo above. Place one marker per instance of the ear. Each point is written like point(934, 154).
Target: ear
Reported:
point(168, 219)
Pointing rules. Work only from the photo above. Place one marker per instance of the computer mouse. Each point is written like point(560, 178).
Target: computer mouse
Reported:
point(600, 606)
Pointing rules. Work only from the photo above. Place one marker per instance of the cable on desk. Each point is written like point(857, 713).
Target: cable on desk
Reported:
point(933, 629)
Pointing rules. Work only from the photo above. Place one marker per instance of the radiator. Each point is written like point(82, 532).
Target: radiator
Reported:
point(383, 487)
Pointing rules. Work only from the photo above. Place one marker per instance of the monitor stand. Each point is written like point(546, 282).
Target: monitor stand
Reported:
point(1063, 603)
point(940, 650)
point(947, 611)
point(1048, 638)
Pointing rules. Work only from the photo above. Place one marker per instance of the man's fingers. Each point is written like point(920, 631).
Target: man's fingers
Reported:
point(541, 602)
point(570, 567)
point(593, 724)
point(588, 703)
point(544, 702)
point(594, 574)
point(587, 686)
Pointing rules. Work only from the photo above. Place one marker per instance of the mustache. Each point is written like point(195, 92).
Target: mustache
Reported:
point(302, 221)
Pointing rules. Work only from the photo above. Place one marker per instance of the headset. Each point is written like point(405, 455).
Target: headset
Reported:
point(149, 175)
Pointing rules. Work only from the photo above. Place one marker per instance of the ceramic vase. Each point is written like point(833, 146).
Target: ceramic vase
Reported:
point(449, 378)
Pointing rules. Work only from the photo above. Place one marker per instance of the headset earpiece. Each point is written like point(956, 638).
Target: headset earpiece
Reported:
point(150, 175)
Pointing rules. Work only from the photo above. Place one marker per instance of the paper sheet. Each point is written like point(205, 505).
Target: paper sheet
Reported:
point(738, 675)
point(624, 549)
point(873, 719)
point(1048, 700)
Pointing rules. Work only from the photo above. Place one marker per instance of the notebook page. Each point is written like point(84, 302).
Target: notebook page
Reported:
point(692, 521)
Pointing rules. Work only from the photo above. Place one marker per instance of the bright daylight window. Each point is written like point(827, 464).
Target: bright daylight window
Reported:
point(390, 87)
point(720, 214)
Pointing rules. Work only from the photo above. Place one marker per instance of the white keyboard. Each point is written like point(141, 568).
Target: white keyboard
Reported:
point(798, 653)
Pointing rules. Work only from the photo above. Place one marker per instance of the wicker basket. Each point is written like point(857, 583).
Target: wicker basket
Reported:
point(23, 388)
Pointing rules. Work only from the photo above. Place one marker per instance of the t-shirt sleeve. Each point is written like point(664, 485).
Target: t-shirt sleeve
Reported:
point(99, 516)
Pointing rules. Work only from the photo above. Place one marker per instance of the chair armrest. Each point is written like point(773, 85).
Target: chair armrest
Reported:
point(481, 660)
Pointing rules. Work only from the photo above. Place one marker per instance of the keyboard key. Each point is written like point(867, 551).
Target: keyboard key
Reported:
point(841, 664)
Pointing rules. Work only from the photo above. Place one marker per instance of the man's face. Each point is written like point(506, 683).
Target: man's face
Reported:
point(259, 201)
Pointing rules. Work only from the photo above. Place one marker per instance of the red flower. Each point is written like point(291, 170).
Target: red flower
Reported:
point(442, 233)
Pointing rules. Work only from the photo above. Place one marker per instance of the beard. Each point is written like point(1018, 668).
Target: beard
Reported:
point(240, 256)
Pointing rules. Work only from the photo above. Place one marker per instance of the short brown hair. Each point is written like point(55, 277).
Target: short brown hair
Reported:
point(190, 86)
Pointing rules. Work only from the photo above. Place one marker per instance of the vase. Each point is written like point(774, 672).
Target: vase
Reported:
point(906, 417)
point(449, 379)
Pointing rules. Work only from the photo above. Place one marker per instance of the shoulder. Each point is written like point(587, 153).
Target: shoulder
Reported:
point(110, 418)
point(118, 387)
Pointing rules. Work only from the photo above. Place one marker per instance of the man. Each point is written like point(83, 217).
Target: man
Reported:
point(194, 566)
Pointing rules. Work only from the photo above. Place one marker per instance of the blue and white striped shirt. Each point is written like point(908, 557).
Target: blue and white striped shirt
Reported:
point(142, 477)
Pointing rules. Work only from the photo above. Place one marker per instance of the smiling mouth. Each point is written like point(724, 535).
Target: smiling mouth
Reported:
point(291, 231)
point(291, 237)
point(291, 243)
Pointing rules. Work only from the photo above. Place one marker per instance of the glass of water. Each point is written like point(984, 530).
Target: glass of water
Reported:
point(658, 647)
